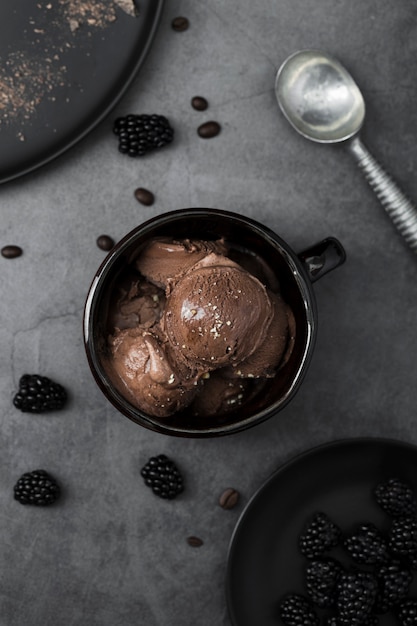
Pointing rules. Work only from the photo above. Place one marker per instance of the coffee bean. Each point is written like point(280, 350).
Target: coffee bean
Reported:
point(194, 542)
point(199, 103)
point(229, 498)
point(11, 252)
point(180, 23)
point(105, 242)
point(144, 196)
point(209, 129)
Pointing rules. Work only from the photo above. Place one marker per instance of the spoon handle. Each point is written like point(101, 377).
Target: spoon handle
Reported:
point(400, 209)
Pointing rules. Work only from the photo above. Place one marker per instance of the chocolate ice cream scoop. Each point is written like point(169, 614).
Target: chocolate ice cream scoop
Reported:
point(163, 261)
point(220, 394)
point(150, 380)
point(217, 314)
point(276, 348)
point(138, 303)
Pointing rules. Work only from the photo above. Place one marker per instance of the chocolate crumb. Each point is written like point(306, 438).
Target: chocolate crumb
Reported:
point(128, 6)
point(194, 542)
point(105, 242)
point(180, 24)
point(11, 252)
point(144, 196)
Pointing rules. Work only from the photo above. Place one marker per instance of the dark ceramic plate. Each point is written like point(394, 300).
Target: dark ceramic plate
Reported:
point(264, 562)
point(61, 72)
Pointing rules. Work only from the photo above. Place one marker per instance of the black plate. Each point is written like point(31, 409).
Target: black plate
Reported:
point(264, 561)
point(56, 82)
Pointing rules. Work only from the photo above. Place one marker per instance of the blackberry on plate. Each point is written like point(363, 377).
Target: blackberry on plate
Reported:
point(407, 612)
point(402, 536)
point(412, 560)
point(396, 497)
point(356, 596)
point(367, 545)
point(296, 610)
point(37, 487)
point(139, 134)
point(371, 620)
point(38, 394)
point(163, 477)
point(321, 534)
point(394, 580)
point(321, 576)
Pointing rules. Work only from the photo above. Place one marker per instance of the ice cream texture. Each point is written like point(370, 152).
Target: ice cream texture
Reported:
point(191, 327)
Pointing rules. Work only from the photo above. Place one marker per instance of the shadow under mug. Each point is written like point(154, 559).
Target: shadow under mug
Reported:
point(296, 273)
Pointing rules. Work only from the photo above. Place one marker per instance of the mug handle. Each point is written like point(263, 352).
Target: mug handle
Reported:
point(322, 258)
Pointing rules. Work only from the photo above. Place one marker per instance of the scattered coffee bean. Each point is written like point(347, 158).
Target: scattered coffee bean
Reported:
point(209, 129)
point(194, 542)
point(144, 196)
point(11, 252)
point(105, 242)
point(199, 103)
point(180, 23)
point(229, 498)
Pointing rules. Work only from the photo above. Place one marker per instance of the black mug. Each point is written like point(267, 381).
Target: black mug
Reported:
point(296, 272)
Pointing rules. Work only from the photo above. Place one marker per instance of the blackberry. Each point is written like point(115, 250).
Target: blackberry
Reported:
point(413, 562)
point(356, 596)
point(37, 487)
point(407, 612)
point(402, 537)
point(163, 477)
point(138, 134)
point(320, 535)
point(296, 610)
point(394, 580)
point(38, 394)
point(396, 497)
point(321, 576)
point(371, 620)
point(367, 545)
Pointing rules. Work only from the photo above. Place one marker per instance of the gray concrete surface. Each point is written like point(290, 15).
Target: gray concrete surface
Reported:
point(110, 553)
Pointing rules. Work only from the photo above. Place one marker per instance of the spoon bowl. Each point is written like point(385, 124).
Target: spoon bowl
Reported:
point(320, 99)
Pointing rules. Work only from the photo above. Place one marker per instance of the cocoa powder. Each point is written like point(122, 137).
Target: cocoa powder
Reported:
point(28, 79)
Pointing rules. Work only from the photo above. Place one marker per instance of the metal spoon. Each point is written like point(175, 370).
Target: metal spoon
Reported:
point(322, 102)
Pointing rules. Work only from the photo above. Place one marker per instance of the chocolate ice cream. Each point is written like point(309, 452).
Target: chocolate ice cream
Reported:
point(192, 327)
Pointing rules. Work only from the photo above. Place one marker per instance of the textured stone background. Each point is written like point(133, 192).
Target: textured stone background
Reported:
point(109, 553)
